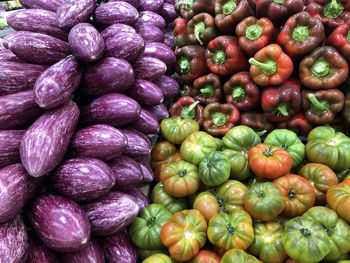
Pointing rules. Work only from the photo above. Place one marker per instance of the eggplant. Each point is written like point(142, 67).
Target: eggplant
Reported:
point(147, 172)
point(150, 18)
point(92, 253)
point(9, 150)
point(150, 33)
point(111, 213)
point(159, 111)
point(169, 40)
point(146, 92)
point(151, 5)
point(146, 123)
point(86, 42)
point(168, 12)
point(18, 110)
point(7, 55)
point(107, 76)
point(116, 12)
point(13, 241)
point(127, 172)
point(149, 68)
point(134, 3)
point(15, 76)
point(139, 146)
point(45, 143)
point(50, 5)
point(116, 29)
point(118, 248)
point(138, 196)
point(38, 48)
point(160, 51)
point(172, 2)
point(168, 85)
point(7, 38)
point(125, 45)
point(59, 222)
point(115, 109)
point(38, 21)
point(72, 12)
point(56, 85)
point(39, 253)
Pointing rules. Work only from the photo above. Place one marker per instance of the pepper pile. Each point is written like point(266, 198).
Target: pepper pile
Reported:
point(262, 63)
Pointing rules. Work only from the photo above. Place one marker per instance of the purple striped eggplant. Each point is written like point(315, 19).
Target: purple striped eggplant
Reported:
point(139, 146)
point(159, 111)
point(111, 213)
point(146, 93)
point(134, 3)
point(168, 12)
point(9, 150)
point(50, 5)
point(83, 179)
point(172, 2)
point(114, 109)
point(45, 142)
point(139, 197)
point(18, 110)
point(169, 39)
point(118, 248)
point(150, 33)
point(36, 20)
point(14, 241)
point(160, 51)
point(59, 222)
point(86, 42)
point(146, 123)
point(147, 172)
point(38, 48)
point(127, 172)
point(168, 85)
point(17, 187)
point(7, 38)
point(15, 76)
point(73, 12)
point(149, 68)
point(151, 5)
point(107, 76)
point(116, 29)
point(2, 45)
point(92, 253)
point(150, 18)
point(7, 55)
point(39, 253)
point(56, 85)
point(116, 12)
point(125, 45)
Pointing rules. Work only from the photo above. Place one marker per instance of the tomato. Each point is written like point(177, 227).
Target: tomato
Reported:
point(207, 204)
point(300, 194)
point(269, 161)
point(321, 177)
point(233, 230)
point(185, 234)
point(264, 201)
point(206, 256)
point(238, 256)
point(219, 145)
point(338, 198)
point(158, 258)
point(176, 129)
point(180, 179)
point(145, 253)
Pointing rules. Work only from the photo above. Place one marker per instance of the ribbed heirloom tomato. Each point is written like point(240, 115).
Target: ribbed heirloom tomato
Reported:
point(338, 198)
point(206, 256)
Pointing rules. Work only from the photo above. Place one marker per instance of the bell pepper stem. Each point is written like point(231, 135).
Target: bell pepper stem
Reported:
point(207, 91)
point(261, 133)
point(333, 9)
point(229, 7)
point(348, 36)
point(278, 1)
point(199, 28)
point(317, 107)
point(300, 33)
point(219, 57)
point(268, 68)
point(282, 109)
point(189, 112)
point(187, 4)
point(320, 68)
point(238, 93)
point(253, 32)
point(219, 119)
point(185, 65)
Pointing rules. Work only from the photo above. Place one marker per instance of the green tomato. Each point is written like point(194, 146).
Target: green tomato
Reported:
point(145, 229)
point(145, 253)
point(197, 146)
point(289, 141)
point(305, 240)
point(158, 258)
point(230, 195)
point(176, 129)
point(238, 256)
point(219, 145)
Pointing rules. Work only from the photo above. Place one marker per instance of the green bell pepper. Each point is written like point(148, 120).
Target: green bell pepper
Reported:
point(176, 129)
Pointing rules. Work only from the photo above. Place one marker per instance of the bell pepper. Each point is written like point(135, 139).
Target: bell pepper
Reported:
point(219, 118)
point(187, 108)
point(301, 34)
point(270, 66)
point(255, 34)
point(346, 112)
point(321, 106)
point(281, 102)
point(189, 8)
point(207, 89)
point(332, 13)
point(340, 39)
point(180, 34)
point(278, 11)
point(241, 91)
point(176, 129)
point(230, 12)
point(201, 28)
point(185, 90)
point(257, 121)
point(191, 62)
point(297, 123)
point(224, 56)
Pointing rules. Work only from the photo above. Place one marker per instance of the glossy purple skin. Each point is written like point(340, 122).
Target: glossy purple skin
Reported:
point(56, 85)
point(127, 172)
point(15, 76)
point(172, 2)
point(134, 3)
point(149, 68)
point(107, 76)
point(18, 110)
point(168, 12)
point(168, 85)
point(7, 55)
point(39, 253)
point(13, 241)
point(45, 143)
point(146, 93)
point(73, 12)
point(159, 111)
point(138, 196)
point(59, 222)
point(160, 51)
point(146, 123)
point(139, 146)
point(7, 38)
point(116, 29)
point(92, 253)
point(151, 5)
point(38, 48)
point(86, 42)
point(36, 20)
point(118, 248)
point(147, 172)
point(125, 45)
point(50, 5)
point(9, 150)
point(114, 109)
point(83, 179)
point(111, 213)
point(150, 33)
point(116, 12)
point(150, 18)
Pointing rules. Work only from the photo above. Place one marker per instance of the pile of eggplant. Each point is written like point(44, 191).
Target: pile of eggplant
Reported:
point(82, 91)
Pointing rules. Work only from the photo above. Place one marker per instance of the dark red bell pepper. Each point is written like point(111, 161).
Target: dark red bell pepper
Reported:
point(241, 91)
point(201, 28)
point(224, 56)
point(187, 108)
point(180, 33)
point(185, 90)
point(257, 121)
point(340, 39)
point(207, 89)
point(189, 8)
point(297, 123)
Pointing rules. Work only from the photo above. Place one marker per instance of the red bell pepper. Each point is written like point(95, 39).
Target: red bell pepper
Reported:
point(297, 123)
point(340, 39)
point(201, 28)
point(180, 33)
point(185, 90)
point(189, 8)
point(257, 121)
point(207, 89)
point(187, 108)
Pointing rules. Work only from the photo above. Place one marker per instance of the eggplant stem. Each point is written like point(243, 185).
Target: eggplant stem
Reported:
point(268, 68)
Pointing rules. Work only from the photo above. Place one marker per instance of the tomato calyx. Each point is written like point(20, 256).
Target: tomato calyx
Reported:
point(230, 229)
point(305, 232)
point(151, 222)
point(182, 172)
point(268, 151)
point(329, 230)
point(291, 193)
point(260, 193)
